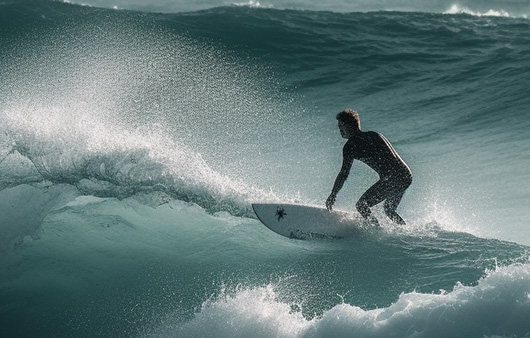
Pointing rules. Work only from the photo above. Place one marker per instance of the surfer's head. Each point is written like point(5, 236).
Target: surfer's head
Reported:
point(350, 118)
point(349, 122)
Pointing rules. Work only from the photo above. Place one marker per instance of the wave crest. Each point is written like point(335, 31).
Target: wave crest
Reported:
point(109, 161)
point(457, 9)
point(498, 305)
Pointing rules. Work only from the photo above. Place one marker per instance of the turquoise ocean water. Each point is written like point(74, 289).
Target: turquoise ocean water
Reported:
point(134, 138)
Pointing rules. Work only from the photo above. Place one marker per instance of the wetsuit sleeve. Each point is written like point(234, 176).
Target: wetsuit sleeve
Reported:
point(347, 161)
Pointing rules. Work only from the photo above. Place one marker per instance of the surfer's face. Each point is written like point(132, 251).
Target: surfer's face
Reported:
point(346, 131)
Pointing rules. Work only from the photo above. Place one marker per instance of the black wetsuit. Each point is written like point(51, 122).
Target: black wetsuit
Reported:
point(395, 176)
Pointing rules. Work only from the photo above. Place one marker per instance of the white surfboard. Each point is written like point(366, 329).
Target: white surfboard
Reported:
point(307, 222)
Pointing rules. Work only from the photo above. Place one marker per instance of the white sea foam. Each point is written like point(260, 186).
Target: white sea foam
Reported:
point(457, 9)
point(498, 305)
point(251, 3)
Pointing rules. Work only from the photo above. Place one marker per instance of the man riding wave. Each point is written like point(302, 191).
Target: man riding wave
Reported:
point(375, 150)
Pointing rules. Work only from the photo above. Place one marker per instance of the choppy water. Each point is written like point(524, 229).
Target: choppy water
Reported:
point(132, 144)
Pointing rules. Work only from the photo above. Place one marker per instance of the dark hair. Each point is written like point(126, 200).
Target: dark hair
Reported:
point(349, 117)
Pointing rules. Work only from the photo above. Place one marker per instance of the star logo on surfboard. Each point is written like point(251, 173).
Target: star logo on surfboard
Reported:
point(280, 213)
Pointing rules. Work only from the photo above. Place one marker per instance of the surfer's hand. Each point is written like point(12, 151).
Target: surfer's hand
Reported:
point(330, 201)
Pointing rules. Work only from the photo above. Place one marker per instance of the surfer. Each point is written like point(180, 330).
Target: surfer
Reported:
point(375, 150)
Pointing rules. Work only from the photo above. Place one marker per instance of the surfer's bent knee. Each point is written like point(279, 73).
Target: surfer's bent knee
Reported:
point(362, 208)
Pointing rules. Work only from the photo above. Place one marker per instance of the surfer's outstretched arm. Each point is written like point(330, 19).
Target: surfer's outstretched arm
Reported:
point(347, 161)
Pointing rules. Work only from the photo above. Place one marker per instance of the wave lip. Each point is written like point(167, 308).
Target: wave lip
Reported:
point(108, 161)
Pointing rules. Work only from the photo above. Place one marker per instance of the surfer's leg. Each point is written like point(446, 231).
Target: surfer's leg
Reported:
point(391, 205)
point(392, 202)
point(372, 196)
